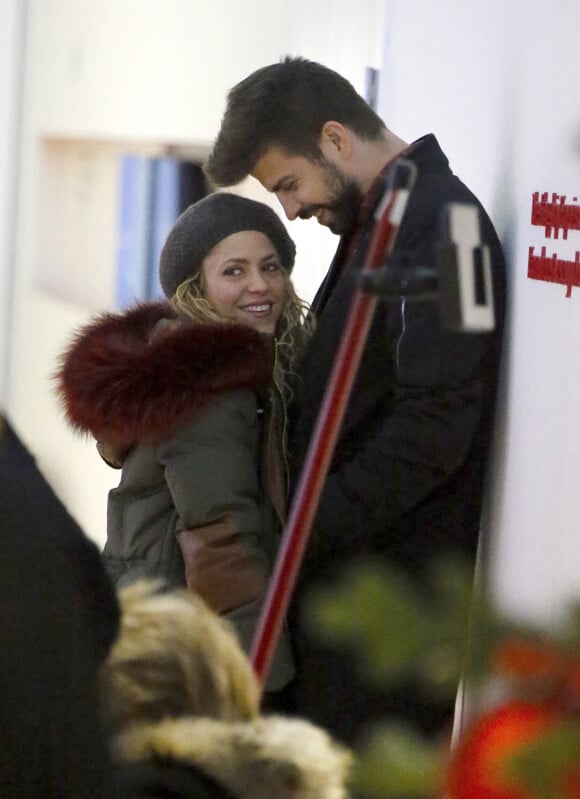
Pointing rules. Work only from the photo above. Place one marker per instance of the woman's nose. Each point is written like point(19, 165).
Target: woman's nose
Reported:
point(257, 281)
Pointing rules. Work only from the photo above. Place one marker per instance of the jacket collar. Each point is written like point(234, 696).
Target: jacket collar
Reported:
point(424, 152)
point(272, 756)
point(120, 386)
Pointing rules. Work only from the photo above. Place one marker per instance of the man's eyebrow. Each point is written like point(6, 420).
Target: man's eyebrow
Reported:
point(278, 185)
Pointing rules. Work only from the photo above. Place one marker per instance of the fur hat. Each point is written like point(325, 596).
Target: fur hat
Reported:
point(205, 223)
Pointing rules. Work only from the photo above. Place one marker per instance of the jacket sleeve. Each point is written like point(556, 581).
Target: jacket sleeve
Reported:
point(211, 468)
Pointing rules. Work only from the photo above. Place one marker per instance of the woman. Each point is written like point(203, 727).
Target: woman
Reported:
point(190, 397)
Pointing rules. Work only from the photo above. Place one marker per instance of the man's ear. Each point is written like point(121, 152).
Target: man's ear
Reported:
point(335, 141)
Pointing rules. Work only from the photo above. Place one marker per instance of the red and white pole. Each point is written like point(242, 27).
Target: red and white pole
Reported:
point(388, 216)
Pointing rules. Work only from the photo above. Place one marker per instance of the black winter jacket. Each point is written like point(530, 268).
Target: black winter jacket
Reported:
point(406, 479)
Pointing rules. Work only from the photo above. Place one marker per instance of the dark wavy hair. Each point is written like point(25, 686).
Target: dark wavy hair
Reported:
point(285, 105)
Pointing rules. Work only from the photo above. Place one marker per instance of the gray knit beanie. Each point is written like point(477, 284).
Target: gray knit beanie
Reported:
point(205, 223)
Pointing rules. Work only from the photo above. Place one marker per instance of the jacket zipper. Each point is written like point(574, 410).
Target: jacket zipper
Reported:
point(400, 339)
point(284, 422)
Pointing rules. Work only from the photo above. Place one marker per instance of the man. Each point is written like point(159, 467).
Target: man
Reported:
point(406, 478)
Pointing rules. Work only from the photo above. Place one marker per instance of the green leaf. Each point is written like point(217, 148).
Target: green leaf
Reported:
point(539, 766)
point(375, 612)
point(396, 762)
point(435, 633)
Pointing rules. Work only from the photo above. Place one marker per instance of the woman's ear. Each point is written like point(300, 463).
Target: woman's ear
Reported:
point(336, 141)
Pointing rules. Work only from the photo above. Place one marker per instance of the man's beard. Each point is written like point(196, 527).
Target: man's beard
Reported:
point(342, 202)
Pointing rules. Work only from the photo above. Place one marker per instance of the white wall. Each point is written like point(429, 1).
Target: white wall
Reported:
point(12, 20)
point(139, 69)
point(497, 83)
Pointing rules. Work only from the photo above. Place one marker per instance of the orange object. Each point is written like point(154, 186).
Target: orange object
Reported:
point(478, 766)
point(529, 660)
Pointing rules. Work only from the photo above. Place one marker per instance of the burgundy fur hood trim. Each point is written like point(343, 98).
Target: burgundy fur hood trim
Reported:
point(122, 389)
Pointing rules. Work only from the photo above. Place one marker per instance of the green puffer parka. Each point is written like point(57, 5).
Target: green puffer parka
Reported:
point(202, 495)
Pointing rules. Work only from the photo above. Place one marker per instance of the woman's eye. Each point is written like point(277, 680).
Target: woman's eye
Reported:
point(232, 271)
point(272, 267)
